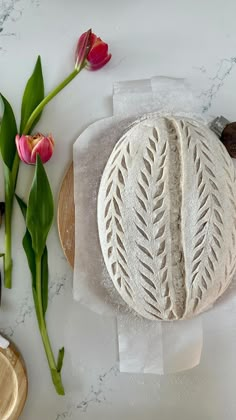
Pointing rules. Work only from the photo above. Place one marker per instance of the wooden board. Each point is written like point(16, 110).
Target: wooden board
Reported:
point(13, 384)
point(66, 216)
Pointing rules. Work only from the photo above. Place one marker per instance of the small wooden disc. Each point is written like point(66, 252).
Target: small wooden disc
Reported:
point(66, 216)
point(13, 384)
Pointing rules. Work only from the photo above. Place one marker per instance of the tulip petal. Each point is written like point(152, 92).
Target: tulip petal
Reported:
point(98, 52)
point(17, 139)
point(81, 40)
point(93, 67)
point(93, 39)
point(44, 148)
point(24, 148)
point(83, 48)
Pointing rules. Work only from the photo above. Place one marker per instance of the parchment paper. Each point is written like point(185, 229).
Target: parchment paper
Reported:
point(144, 346)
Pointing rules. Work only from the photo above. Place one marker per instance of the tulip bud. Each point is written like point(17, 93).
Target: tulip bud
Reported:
point(29, 146)
point(97, 51)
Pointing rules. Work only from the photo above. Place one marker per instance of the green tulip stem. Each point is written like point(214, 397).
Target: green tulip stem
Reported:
point(15, 170)
point(56, 376)
point(8, 214)
point(10, 178)
point(48, 98)
point(7, 256)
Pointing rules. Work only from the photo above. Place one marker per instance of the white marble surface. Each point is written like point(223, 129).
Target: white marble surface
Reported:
point(181, 38)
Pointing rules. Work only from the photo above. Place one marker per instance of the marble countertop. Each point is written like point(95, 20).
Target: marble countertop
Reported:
point(185, 38)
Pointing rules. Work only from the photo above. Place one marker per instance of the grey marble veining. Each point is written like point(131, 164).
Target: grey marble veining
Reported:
point(223, 71)
point(26, 307)
point(96, 395)
point(10, 11)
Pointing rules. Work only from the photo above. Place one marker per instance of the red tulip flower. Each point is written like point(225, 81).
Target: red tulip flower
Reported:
point(91, 52)
point(29, 146)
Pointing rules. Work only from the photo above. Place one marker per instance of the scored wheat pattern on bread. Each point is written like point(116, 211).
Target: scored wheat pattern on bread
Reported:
point(117, 255)
point(207, 247)
point(163, 210)
point(150, 223)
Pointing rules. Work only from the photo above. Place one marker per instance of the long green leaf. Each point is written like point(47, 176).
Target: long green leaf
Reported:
point(44, 280)
point(39, 215)
point(27, 245)
point(22, 205)
point(7, 134)
point(33, 95)
point(30, 254)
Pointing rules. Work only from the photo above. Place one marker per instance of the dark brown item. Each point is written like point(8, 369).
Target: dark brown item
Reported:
point(228, 138)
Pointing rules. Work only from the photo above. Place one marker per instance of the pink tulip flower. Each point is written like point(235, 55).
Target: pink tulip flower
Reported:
point(29, 146)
